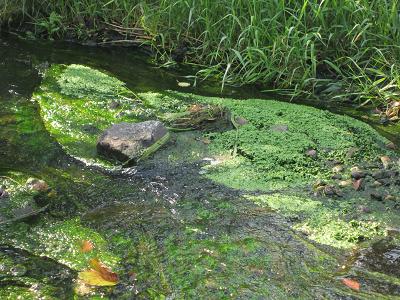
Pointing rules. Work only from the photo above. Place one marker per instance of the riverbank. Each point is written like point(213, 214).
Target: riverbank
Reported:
point(344, 50)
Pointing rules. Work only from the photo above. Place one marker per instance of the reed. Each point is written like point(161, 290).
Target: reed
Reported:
point(335, 49)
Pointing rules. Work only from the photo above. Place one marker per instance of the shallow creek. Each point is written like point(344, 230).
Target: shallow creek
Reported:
point(179, 235)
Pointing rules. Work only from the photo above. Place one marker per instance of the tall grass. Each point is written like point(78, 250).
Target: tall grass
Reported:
point(337, 49)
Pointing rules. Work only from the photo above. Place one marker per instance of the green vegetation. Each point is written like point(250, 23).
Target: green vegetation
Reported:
point(76, 109)
point(61, 241)
point(263, 146)
point(343, 50)
point(332, 222)
point(270, 151)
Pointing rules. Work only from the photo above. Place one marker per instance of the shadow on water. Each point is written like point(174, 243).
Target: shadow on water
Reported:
point(185, 230)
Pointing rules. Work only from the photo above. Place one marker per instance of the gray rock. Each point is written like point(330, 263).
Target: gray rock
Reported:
point(312, 153)
point(126, 141)
point(376, 196)
point(358, 174)
point(3, 193)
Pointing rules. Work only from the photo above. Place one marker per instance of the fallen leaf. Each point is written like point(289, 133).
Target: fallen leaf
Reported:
point(357, 184)
point(351, 283)
point(86, 246)
point(99, 275)
point(92, 277)
point(195, 108)
point(105, 272)
point(183, 84)
point(385, 161)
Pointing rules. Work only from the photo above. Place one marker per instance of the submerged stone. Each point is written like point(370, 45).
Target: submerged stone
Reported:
point(127, 141)
point(17, 201)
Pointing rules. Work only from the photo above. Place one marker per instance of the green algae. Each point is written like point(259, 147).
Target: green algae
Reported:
point(251, 157)
point(76, 123)
point(61, 241)
point(263, 157)
point(333, 222)
point(21, 202)
point(82, 82)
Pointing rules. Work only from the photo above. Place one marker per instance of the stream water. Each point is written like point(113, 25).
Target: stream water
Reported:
point(189, 238)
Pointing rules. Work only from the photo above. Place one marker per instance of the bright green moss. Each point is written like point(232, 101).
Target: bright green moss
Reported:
point(220, 268)
point(60, 241)
point(20, 201)
point(331, 222)
point(75, 107)
point(82, 82)
point(260, 156)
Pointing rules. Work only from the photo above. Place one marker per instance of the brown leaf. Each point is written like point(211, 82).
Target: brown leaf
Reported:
point(86, 246)
point(105, 272)
point(195, 108)
point(351, 283)
point(92, 277)
point(357, 184)
point(385, 161)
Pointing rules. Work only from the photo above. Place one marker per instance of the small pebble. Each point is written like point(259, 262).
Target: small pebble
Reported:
point(337, 176)
point(381, 174)
point(358, 174)
point(351, 152)
point(3, 193)
point(37, 185)
point(312, 153)
point(241, 121)
point(376, 183)
point(391, 146)
point(114, 104)
point(385, 161)
point(338, 169)
point(363, 209)
point(345, 183)
point(376, 196)
point(390, 198)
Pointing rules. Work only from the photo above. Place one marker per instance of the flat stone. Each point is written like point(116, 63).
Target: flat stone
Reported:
point(126, 141)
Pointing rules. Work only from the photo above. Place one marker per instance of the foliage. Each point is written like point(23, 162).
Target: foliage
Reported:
point(80, 82)
point(266, 157)
point(343, 50)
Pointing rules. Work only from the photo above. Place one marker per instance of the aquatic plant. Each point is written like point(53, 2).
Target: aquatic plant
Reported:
point(340, 50)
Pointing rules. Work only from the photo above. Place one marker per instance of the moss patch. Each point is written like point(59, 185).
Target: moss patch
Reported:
point(334, 222)
point(17, 202)
point(76, 108)
point(60, 241)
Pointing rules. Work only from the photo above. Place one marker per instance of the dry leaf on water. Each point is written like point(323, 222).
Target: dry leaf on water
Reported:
point(99, 275)
point(183, 84)
point(86, 246)
point(351, 283)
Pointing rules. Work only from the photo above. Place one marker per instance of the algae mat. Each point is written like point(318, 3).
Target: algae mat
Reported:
point(229, 212)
